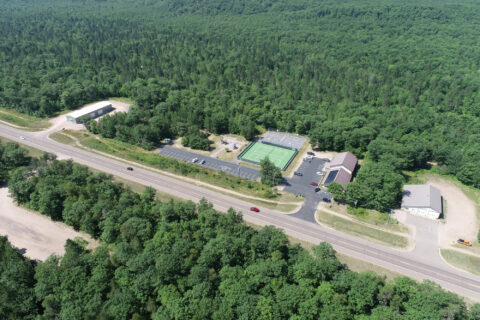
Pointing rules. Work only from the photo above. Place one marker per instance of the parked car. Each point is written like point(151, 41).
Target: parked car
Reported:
point(202, 162)
point(194, 160)
point(327, 200)
point(317, 189)
point(255, 209)
point(465, 243)
point(313, 184)
point(298, 173)
point(310, 153)
point(129, 168)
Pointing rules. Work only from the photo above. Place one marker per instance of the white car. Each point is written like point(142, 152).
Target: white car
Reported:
point(320, 173)
point(202, 162)
point(194, 160)
point(22, 138)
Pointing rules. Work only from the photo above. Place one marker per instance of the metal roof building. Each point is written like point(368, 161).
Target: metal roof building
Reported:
point(423, 200)
point(341, 168)
point(92, 111)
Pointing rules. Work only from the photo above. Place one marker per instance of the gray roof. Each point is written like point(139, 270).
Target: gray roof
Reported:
point(89, 109)
point(422, 196)
point(346, 159)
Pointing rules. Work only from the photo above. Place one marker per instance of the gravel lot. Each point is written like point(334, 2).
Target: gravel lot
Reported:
point(35, 235)
point(461, 214)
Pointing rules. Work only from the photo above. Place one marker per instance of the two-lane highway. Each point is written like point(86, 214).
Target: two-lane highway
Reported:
point(403, 262)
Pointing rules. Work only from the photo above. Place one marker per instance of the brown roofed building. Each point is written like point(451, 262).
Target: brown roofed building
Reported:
point(341, 168)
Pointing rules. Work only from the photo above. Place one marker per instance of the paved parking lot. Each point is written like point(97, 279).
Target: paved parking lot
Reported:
point(300, 185)
point(212, 163)
point(309, 170)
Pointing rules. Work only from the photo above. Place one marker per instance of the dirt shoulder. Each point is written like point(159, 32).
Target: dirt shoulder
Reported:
point(35, 235)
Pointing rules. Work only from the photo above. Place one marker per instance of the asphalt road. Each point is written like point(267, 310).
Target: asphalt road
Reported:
point(407, 263)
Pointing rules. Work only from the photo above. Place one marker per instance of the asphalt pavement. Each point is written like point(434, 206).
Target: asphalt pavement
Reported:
point(312, 171)
point(209, 162)
point(299, 185)
point(407, 263)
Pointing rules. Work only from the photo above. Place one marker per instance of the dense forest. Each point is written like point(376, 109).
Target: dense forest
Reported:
point(180, 260)
point(395, 82)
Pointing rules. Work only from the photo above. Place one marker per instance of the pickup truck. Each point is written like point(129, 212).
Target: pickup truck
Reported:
point(465, 243)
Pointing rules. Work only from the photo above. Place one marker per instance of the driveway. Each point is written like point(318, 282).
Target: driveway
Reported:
point(300, 185)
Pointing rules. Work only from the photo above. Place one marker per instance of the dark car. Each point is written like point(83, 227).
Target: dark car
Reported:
point(313, 184)
point(327, 200)
point(298, 173)
point(129, 168)
point(255, 209)
point(317, 189)
point(310, 153)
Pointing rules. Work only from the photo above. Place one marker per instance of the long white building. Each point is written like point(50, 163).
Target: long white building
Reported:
point(92, 111)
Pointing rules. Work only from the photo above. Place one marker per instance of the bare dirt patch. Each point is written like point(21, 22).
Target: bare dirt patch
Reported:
point(233, 143)
point(324, 154)
point(35, 235)
point(461, 213)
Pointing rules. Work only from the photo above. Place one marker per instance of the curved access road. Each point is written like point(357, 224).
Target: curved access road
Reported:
point(407, 263)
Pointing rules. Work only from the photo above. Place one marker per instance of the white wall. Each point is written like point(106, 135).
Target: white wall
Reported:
point(423, 212)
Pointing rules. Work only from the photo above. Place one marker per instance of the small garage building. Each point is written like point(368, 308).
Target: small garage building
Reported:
point(91, 112)
point(422, 200)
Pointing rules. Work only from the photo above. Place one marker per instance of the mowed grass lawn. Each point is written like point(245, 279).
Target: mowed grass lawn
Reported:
point(462, 260)
point(362, 231)
point(258, 151)
point(23, 120)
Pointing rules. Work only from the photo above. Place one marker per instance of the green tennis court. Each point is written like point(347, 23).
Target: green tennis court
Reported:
point(258, 151)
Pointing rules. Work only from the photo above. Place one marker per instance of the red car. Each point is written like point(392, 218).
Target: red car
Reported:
point(313, 184)
point(254, 209)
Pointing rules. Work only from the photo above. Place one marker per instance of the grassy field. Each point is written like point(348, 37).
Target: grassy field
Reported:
point(372, 217)
point(258, 152)
point(273, 205)
point(62, 138)
point(132, 153)
point(362, 231)
point(462, 261)
point(27, 122)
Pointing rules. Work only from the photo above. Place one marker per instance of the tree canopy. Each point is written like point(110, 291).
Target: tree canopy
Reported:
point(180, 260)
point(269, 173)
point(395, 81)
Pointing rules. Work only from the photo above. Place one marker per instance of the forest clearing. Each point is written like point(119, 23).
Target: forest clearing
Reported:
point(35, 235)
